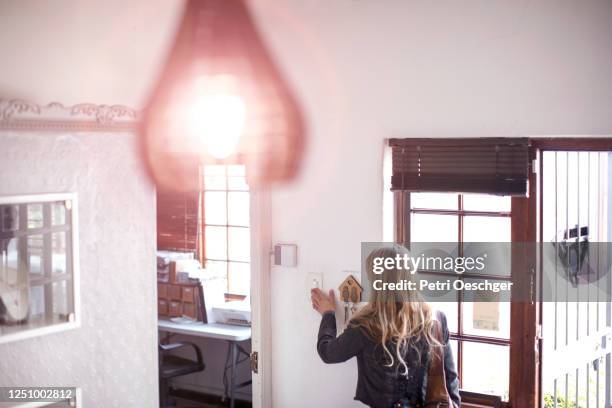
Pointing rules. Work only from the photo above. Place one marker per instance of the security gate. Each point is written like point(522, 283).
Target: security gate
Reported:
point(575, 228)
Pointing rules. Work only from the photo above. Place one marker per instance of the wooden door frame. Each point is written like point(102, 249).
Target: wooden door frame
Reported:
point(524, 316)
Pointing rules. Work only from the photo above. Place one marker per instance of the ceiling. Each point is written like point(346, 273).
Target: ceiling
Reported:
point(105, 52)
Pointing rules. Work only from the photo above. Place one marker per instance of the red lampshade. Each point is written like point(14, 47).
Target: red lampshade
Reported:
point(221, 99)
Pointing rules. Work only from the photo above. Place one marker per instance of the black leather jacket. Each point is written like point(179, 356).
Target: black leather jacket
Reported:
point(380, 386)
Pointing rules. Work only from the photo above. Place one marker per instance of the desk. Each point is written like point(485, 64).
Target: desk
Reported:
point(232, 334)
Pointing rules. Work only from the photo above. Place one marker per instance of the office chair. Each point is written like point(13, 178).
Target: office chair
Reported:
point(171, 366)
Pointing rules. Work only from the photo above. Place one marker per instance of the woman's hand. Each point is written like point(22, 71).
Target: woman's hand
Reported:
point(321, 302)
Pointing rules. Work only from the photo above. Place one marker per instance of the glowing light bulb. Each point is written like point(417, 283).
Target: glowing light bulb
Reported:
point(215, 119)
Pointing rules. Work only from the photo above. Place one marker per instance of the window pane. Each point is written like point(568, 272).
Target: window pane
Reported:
point(12, 265)
point(60, 298)
point(446, 201)
point(236, 178)
point(214, 177)
point(236, 170)
point(434, 228)
point(450, 309)
point(35, 254)
point(486, 368)
point(486, 229)
point(9, 218)
point(239, 244)
point(239, 279)
point(216, 269)
point(237, 183)
point(238, 208)
point(214, 170)
point(216, 243)
point(37, 301)
point(59, 252)
point(455, 348)
point(486, 202)
point(490, 319)
point(215, 208)
point(214, 183)
point(35, 215)
point(58, 213)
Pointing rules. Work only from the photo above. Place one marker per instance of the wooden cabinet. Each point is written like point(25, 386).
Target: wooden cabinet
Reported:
point(176, 309)
point(181, 299)
point(188, 294)
point(174, 291)
point(162, 291)
point(162, 307)
point(189, 310)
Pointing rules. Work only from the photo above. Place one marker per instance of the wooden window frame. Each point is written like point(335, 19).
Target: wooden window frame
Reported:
point(404, 210)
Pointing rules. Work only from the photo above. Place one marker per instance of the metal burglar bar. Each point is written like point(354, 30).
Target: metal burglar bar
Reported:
point(576, 209)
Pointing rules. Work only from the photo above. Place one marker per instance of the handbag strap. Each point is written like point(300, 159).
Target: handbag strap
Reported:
point(437, 394)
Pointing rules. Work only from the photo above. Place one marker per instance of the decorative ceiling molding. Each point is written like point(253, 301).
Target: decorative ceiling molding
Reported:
point(17, 114)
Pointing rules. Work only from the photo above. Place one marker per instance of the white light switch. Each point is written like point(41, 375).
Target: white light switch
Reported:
point(315, 280)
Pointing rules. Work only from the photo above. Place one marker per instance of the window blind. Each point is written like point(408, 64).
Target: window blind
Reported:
point(497, 166)
point(179, 211)
point(177, 221)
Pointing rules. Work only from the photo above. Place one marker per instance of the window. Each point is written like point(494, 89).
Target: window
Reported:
point(560, 352)
point(480, 331)
point(226, 226)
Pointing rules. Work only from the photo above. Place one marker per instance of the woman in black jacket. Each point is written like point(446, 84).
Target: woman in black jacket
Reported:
point(392, 337)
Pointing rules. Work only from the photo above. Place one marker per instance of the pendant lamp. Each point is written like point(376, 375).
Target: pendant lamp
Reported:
point(221, 99)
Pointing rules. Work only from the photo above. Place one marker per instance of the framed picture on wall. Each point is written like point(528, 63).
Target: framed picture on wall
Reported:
point(39, 265)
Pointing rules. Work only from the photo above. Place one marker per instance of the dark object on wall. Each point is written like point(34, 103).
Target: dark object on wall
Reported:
point(350, 290)
point(221, 99)
point(575, 257)
point(497, 166)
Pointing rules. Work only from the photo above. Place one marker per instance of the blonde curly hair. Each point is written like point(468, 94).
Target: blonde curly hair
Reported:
point(395, 317)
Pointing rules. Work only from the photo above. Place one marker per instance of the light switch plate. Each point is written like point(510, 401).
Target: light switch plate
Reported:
point(285, 255)
point(315, 280)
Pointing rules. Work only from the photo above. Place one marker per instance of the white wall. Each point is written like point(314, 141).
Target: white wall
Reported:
point(113, 356)
point(366, 70)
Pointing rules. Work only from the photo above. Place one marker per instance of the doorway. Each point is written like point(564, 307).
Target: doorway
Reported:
point(224, 226)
